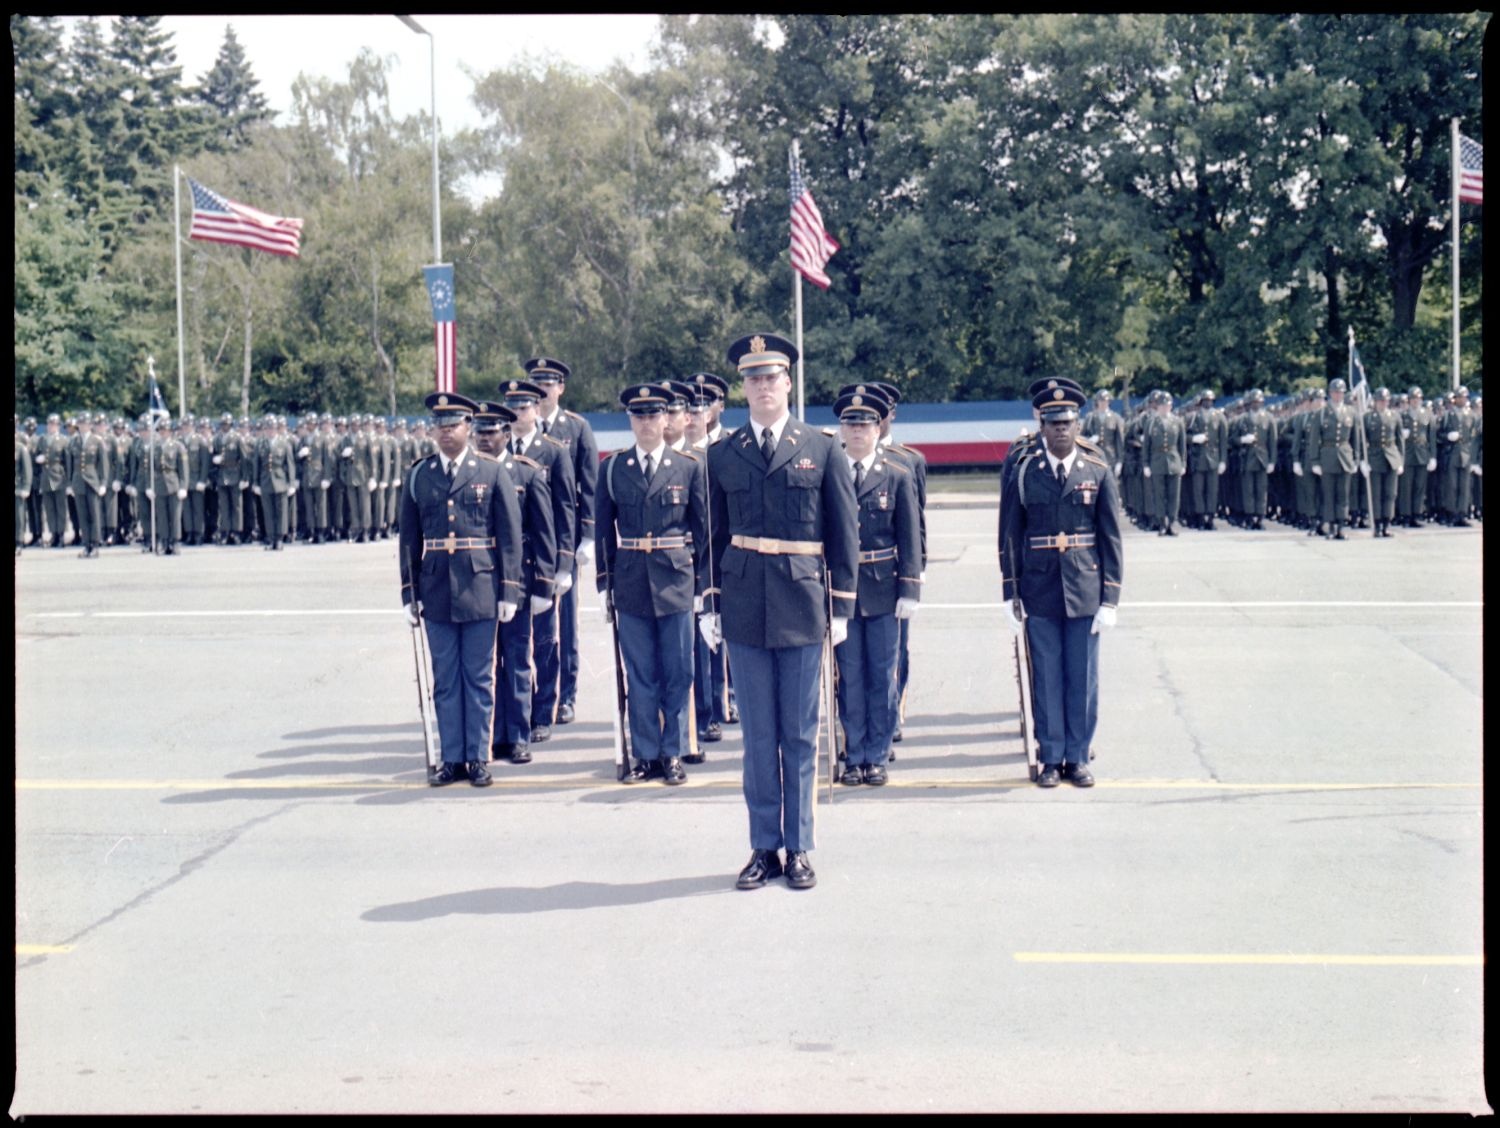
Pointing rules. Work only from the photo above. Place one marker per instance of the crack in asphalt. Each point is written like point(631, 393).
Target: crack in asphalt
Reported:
point(1175, 695)
point(184, 870)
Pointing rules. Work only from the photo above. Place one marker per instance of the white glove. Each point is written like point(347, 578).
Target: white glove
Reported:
point(1406, 432)
point(70, 491)
point(697, 605)
point(41, 460)
point(291, 490)
point(347, 452)
point(413, 612)
point(218, 460)
point(906, 608)
point(1431, 465)
point(255, 490)
point(585, 553)
point(1246, 440)
point(385, 485)
point(100, 491)
point(1222, 465)
point(838, 629)
point(708, 627)
point(508, 611)
point(1146, 470)
point(1104, 619)
point(540, 604)
point(370, 484)
point(1317, 471)
point(324, 484)
point(1200, 438)
point(564, 582)
point(1453, 436)
point(303, 453)
point(23, 493)
point(201, 486)
point(1297, 469)
point(130, 491)
point(1477, 470)
point(182, 495)
point(1012, 620)
point(150, 494)
point(1364, 467)
point(244, 485)
point(1119, 467)
point(115, 485)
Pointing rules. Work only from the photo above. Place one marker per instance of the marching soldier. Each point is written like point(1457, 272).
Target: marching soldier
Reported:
point(357, 477)
point(276, 482)
point(200, 466)
point(710, 666)
point(460, 550)
point(1106, 429)
point(573, 432)
point(390, 477)
point(52, 480)
point(1164, 458)
point(1062, 565)
point(315, 473)
point(1331, 454)
point(163, 484)
point(888, 588)
point(556, 462)
point(1256, 440)
point(1385, 460)
point(34, 502)
point(1307, 482)
point(1419, 439)
point(23, 487)
point(88, 482)
point(651, 522)
point(1455, 443)
point(338, 521)
point(675, 433)
point(786, 550)
point(511, 734)
point(1207, 451)
point(230, 453)
point(116, 504)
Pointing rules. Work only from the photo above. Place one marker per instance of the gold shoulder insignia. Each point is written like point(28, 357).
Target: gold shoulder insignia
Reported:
point(524, 460)
point(574, 415)
point(1086, 443)
point(830, 432)
point(486, 457)
point(894, 465)
point(555, 442)
point(1092, 459)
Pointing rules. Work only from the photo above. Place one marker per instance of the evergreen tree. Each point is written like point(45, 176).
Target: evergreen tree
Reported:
point(231, 92)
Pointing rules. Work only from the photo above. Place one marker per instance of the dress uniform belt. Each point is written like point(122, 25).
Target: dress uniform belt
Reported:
point(1063, 541)
point(650, 544)
point(769, 546)
point(876, 555)
point(454, 544)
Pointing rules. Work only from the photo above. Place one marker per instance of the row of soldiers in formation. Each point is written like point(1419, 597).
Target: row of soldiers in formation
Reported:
point(1310, 461)
point(91, 481)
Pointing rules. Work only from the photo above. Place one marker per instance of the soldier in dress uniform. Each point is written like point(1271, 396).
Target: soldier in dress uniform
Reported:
point(1255, 438)
point(675, 432)
point(1207, 453)
point(710, 666)
point(786, 552)
point(1331, 454)
point(357, 473)
point(275, 482)
point(572, 431)
point(460, 551)
point(1419, 438)
point(1455, 444)
point(229, 460)
point(556, 461)
point(1385, 460)
point(1106, 429)
point(24, 474)
point(52, 480)
point(889, 587)
point(651, 510)
point(116, 504)
point(1164, 462)
point(88, 481)
point(162, 486)
point(1062, 565)
point(511, 735)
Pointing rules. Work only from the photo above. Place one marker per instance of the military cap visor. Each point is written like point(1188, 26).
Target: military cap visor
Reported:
point(448, 408)
point(489, 416)
point(520, 393)
point(1337, 385)
point(760, 354)
point(708, 388)
point(545, 369)
point(1058, 404)
point(861, 407)
point(645, 399)
point(1037, 387)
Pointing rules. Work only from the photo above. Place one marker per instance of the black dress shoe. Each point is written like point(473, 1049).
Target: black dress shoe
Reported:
point(712, 734)
point(479, 775)
point(733, 717)
point(1081, 776)
point(520, 754)
point(853, 775)
point(541, 734)
point(763, 866)
point(1049, 777)
point(671, 771)
point(446, 774)
point(875, 775)
point(501, 751)
point(565, 714)
point(694, 757)
point(639, 772)
point(896, 736)
point(799, 871)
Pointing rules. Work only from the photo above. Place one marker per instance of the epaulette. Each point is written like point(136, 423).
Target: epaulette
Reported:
point(486, 457)
point(526, 461)
point(555, 442)
point(1095, 461)
point(687, 454)
point(1087, 444)
point(574, 415)
point(830, 432)
point(898, 466)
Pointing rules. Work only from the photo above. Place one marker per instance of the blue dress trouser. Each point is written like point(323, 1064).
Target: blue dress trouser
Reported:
point(513, 679)
point(867, 687)
point(568, 642)
point(658, 657)
point(709, 670)
point(463, 687)
point(778, 702)
point(546, 659)
point(1065, 686)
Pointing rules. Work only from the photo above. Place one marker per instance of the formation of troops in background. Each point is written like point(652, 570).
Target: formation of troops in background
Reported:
point(1311, 462)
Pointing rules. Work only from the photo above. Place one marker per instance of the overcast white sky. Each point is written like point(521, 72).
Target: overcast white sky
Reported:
point(279, 48)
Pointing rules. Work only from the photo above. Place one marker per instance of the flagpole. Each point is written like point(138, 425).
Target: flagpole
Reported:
point(1364, 443)
point(177, 247)
point(151, 447)
point(797, 276)
point(1456, 178)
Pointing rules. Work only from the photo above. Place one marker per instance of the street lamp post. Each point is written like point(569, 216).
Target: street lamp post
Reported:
point(437, 219)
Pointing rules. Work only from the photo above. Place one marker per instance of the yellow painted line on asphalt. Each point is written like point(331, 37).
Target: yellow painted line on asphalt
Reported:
point(1277, 958)
point(557, 782)
point(43, 949)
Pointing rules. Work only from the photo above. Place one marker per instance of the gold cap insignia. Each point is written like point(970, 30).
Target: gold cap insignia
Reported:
point(1058, 394)
point(757, 344)
point(442, 401)
point(514, 384)
point(1051, 383)
point(860, 389)
point(857, 401)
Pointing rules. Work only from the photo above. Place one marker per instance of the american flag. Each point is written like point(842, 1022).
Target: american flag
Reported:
point(444, 318)
point(1470, 171)
point(219, 220)
point(812, 246)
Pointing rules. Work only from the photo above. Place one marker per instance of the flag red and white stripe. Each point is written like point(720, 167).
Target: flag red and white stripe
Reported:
point(220, 220)
point(1470, 171)
point(812, 246)
point(446, 338)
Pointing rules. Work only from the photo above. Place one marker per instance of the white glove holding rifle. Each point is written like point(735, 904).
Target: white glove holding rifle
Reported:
point(413, 612)
point(708, 627)
point(540, 604)
point(1015, 618)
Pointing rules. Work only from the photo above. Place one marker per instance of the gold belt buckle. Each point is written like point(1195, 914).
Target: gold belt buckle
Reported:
point(770, 544)
point(452, 544)
point(1062, 545)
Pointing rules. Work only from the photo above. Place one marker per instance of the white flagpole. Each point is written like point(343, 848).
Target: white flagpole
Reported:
point(1457, 176)
point(797, 276)
point(177, 247)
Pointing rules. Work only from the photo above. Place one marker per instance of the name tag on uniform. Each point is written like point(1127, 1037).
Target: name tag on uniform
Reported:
point(1085, 492)
point(805, 464)
point(676, 495)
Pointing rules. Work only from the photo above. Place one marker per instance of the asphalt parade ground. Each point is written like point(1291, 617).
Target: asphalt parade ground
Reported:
point(236, 893)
